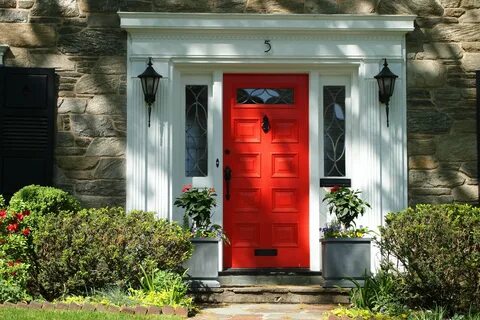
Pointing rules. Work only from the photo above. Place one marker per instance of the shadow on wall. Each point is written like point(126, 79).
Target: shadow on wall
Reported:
point(83, 41)
point(87, 49)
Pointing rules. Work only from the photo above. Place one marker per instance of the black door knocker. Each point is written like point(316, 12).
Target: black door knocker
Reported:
point(265, 124)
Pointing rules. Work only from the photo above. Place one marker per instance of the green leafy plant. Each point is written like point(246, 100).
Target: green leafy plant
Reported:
point(379, 293)
point(43, 200)
point(2, 202)
point(346, 206)
point(96, 249)
point(438, 313)
point(198, 204)
point(435, 249)
point(164, 288)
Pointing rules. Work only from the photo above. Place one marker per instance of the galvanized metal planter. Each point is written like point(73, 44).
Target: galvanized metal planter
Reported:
point(345, 258)
point(203, 265)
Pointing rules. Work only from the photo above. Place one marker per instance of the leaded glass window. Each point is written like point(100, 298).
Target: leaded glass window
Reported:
point(265, 96)
point(196, 130)
point(334, 131)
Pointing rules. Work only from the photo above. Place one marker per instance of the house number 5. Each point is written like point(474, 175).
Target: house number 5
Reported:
point(268, 45)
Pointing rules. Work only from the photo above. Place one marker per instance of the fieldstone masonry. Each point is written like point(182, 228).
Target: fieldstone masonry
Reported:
point(83, 41)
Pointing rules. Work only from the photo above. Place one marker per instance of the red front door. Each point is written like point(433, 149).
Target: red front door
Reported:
point(266, 150)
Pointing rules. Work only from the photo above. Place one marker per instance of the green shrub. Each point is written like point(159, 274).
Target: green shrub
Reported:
point(2, 202)
point(97, 248)
point(43, 200)
point(437, 248)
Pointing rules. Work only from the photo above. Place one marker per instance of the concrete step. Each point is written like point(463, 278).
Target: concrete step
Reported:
point(307, 294)
point(275, 279)
point(284, 277)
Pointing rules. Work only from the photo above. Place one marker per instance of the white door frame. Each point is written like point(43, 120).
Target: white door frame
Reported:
point(209, 45)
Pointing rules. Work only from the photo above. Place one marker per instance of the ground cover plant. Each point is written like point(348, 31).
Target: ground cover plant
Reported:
point(31, 314)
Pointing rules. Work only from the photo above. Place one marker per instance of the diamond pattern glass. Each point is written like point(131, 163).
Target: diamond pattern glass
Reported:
point(265, 96)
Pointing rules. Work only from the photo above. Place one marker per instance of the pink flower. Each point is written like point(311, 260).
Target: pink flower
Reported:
point(26, 232)
point(26, 212)
point(3, 214)
point(335, 189)
point(19, 216)
point(187, 187)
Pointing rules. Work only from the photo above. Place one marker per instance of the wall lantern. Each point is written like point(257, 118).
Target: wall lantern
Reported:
point(150, 80)
point(386, 85)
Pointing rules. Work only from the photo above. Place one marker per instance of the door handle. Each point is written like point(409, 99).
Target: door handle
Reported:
point(227, 175)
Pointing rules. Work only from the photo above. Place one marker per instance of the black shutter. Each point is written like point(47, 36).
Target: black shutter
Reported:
point(27, 113)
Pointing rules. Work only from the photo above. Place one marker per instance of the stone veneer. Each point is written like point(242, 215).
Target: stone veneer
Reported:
point(83, 41)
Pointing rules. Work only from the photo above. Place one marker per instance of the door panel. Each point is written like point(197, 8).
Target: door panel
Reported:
point(266, 146)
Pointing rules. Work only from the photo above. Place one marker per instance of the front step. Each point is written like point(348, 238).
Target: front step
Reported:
point(270, 286)
point(239, 278)
point(312, 294)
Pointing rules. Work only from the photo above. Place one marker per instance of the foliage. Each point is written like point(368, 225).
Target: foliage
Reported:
point(93, 249)
point(346, 205)
point(40, 200)
point(438, 313)
point(33, 314)
point(335, 230)
point(2, 202)
point(379, 293)
point(161, 287)
point(15, 241)
point(198, 204)
point(436, 250)
point(361, 314)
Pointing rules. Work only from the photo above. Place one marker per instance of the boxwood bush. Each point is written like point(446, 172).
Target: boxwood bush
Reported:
point(76, 253)
point(436, 249)
point(40, 200)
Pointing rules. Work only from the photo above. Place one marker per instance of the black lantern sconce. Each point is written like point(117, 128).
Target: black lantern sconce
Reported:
point(386, 84)
point(150, 80)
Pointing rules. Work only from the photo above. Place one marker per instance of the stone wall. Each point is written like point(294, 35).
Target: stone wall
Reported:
point(83, 41)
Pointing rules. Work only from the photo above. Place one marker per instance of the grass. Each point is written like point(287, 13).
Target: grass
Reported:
point(32, 314)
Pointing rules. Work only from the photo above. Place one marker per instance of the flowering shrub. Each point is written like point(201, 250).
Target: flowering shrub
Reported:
point(15, 245)
point(346, 205)
point(198, 204)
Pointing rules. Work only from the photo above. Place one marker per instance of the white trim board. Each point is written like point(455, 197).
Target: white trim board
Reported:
point(205, 46)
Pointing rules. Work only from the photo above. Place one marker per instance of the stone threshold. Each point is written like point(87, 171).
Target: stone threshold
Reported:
point(97, 307)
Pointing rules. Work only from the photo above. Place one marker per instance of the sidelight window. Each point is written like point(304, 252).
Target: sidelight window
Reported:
point(196, 130)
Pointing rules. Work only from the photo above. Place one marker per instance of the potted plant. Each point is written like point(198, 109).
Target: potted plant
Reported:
point(345, 249)
point(198, 204)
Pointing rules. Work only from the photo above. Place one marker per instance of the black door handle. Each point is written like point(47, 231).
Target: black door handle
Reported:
point(227, 175)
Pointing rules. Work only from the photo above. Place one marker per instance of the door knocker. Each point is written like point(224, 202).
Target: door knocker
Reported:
point(265, 124)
